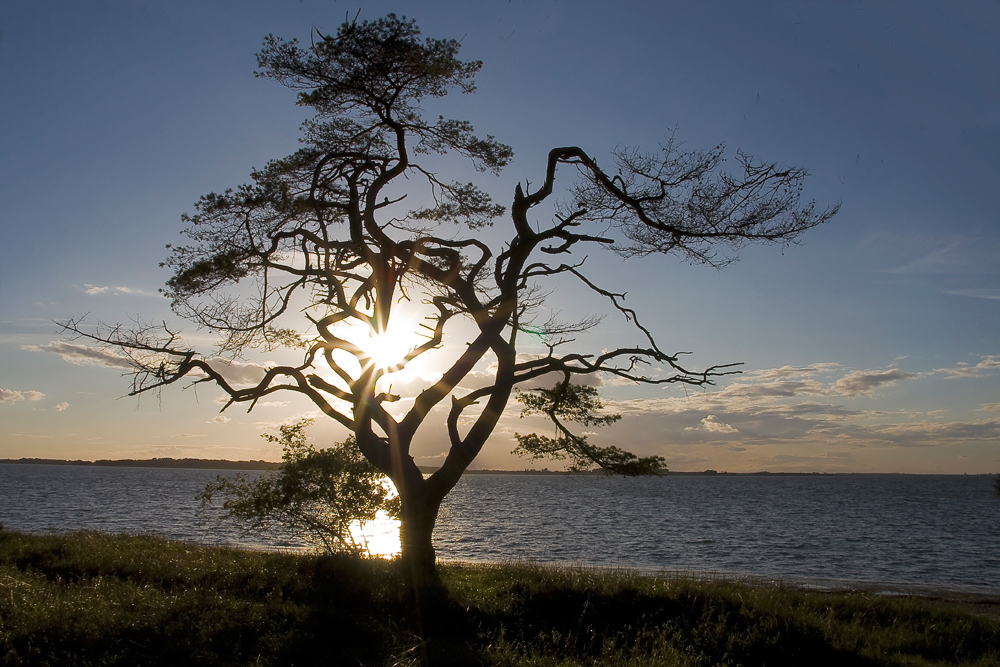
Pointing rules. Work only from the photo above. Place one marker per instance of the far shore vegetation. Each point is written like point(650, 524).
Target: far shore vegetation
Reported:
point(98, 599)
point(226, 464)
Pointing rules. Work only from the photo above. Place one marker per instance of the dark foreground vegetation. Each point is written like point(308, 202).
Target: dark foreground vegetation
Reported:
point(95, 599)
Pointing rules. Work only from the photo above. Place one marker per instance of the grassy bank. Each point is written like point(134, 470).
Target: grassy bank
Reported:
point(94, 599)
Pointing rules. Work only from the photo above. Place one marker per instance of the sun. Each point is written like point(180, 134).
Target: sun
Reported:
point(389, 347)
point(385, 351)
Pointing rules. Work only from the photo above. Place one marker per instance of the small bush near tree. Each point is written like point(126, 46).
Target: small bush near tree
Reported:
point(316, 494)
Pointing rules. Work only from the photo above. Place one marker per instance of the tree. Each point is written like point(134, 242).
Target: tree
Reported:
point(315, 493)
point(324, 237)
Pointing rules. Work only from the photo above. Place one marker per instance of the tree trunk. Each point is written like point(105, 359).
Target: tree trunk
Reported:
point(417, 517)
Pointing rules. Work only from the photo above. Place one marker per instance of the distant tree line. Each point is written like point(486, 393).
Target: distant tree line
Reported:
point(208, 464)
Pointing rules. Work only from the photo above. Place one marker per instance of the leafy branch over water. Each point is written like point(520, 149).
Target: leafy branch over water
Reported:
point(316, 494)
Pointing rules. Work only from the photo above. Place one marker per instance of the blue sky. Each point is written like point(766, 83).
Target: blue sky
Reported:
point(873, 346)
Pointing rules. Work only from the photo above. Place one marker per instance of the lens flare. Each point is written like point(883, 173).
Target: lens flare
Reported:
point(388, 348)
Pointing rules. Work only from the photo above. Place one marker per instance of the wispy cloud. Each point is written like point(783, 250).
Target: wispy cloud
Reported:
point(219, 419)
point(781, 388)
point(11, 396)
point(238, 372)
point(234, 372)
point(929, 433)
point(273, 425)
point(957, 255)
point(94, 290)
point(964, 370)
point(785, 372)
point(81, 355)
point(795, 406)
point(861, 383)
point(61, 407)
point(976, 293)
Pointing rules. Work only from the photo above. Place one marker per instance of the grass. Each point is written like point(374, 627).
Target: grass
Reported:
point(96, 599)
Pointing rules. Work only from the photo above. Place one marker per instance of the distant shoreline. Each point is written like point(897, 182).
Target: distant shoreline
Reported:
point(205, 464)
point(223, 464)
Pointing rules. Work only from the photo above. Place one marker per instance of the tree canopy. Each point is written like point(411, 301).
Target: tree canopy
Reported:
point(355, 222)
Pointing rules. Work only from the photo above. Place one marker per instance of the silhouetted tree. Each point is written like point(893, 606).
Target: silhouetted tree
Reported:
point(324, 237)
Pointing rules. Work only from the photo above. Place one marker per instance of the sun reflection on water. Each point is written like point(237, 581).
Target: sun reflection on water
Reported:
point(379, 537)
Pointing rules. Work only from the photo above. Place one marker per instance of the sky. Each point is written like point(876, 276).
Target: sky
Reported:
point(873, 346)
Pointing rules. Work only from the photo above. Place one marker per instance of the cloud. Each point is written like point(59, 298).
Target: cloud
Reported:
point(224, 399)
point(133, 290)
point(486, 375)
point(549, 380)
point(711, 424)
point(476, 380)
point(808, 462)
point(62, 406)
point(234, 372)
point(864, 382)
point(782, 388)
point(962, 370)
point(272, 425)
point(190, 435)
point(778, 407)
point(81, 355)
point(933, 434)
point(957, 255)
point(11, 396)
point(785, 372)
point(439, 455)
point(94, 290)
point(974, 293)
point(219, 419)
point(237, 372)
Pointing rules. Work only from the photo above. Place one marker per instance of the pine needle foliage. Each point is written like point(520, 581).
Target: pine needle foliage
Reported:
point(568, 402)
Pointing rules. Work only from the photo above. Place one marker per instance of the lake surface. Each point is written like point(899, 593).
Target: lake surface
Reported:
point(935, 531)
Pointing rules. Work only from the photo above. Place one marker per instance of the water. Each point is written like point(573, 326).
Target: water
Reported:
point(54, 498)
point(935, 530)
point(931, 531)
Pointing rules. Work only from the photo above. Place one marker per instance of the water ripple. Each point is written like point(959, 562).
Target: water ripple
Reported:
point(933, 530)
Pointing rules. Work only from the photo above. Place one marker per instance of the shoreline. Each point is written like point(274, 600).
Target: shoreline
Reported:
point(964, 593)
point(225, 464)
point(973, 594)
